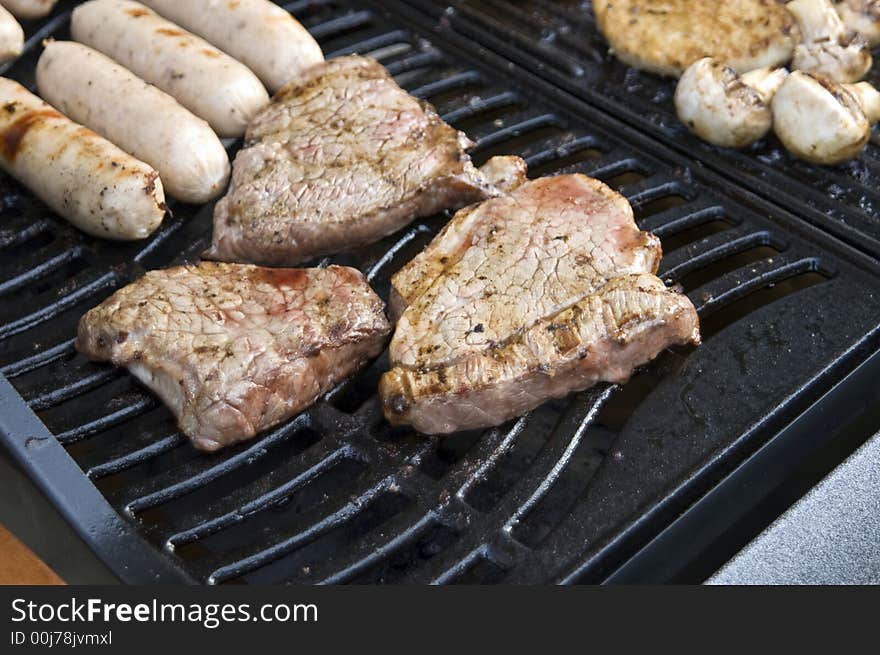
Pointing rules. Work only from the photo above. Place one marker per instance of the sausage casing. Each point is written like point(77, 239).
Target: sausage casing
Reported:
point(82, 176)
point(11, 36)
point(29, 8)
point(259, 33)
point(208, 82)
point(142, 120)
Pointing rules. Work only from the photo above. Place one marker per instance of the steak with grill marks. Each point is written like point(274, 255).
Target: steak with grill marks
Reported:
point(342, 157)
point(235, 349)
point(523, 298)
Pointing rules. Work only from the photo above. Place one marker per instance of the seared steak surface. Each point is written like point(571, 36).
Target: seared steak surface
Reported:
point(526, 297)
point(340, 158)
point(235, 349)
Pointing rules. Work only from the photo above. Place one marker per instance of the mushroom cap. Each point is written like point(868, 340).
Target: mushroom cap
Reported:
point(869, 99)
point(717, 106)
point(819, 120)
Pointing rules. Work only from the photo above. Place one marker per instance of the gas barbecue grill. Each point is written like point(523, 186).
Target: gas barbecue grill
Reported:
point(662, 479)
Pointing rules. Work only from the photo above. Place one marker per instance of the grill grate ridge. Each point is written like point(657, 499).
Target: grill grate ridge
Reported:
point(712, 249)
point(230, 518)
point(136, 457)
point(256, 451)
point(274, 552)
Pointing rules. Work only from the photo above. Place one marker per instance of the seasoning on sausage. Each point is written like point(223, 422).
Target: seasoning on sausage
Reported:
point(258, 33)
point(82, 176)
point(135, 115)
point(29, 8)
point(208, 82)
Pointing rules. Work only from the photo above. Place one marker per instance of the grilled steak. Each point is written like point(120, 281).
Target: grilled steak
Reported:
point(667, 36)
point(341, 157)
point(235, 349)
point(527, 297)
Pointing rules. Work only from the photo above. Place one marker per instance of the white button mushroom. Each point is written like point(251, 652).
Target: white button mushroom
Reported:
point(822, 121)
point(862, 16)
point(724, 108)
point(828, 48)
point(869, 99)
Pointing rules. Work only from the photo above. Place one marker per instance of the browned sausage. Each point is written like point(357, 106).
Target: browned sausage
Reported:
point(82, 176)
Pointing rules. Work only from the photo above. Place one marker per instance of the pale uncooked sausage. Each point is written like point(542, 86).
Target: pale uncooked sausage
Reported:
point(142, 120)
point(208, 82)
point(29, 8)
point(82, 176)
point(11, 36)
point(259, 33)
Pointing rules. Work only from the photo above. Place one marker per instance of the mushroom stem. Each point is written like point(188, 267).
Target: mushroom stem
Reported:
point(817, 20)
point(766, 81)
point(868, 98)
point(828, 47)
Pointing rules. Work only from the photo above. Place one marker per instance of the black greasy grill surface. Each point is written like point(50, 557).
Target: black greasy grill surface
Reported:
point(336, 495)
point(558, 39)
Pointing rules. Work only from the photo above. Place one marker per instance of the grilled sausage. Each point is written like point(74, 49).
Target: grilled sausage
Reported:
point(209, 83)
point(11, 36)
point(141, 119)
point(258, 33)
point(29, 8)
point(82, 176)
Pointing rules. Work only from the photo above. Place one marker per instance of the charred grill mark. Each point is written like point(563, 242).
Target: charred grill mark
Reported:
point(10, 140)
point(170, 31)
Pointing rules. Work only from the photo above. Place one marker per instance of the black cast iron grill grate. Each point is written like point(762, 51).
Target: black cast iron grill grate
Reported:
point(558, 39)
point(567, 492)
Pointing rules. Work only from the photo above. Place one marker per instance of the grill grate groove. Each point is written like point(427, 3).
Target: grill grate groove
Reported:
point(131, 409)
point(230, 518)
point(710, 250)
point(350, 512)
point(244, 458)
point(137, 457)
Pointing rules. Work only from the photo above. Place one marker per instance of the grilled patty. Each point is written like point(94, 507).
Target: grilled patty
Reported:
point(235, 349)
point(527, 297)
point(667, 36)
